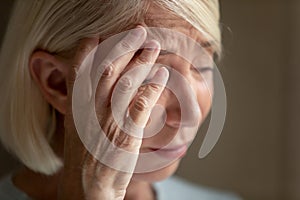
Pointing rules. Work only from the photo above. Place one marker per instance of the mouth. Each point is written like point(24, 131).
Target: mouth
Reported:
point(171, 152)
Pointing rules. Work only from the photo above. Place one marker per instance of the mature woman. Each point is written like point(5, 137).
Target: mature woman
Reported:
point(48, 58)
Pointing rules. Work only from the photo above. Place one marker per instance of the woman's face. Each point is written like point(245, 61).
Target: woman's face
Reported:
point(183, 111)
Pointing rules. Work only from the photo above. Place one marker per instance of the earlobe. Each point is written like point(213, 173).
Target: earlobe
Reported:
point(50, 74)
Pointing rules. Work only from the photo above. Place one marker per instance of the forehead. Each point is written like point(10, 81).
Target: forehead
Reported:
point(157, 16)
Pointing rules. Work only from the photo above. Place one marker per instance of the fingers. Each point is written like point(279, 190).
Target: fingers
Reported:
point(129, 138)
point(118, 59)
point(128, 45)
point(128, 84)
point(140, 109)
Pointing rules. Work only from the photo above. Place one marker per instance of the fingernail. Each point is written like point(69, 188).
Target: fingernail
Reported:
point(162, 72)
point(152, 45)
point(161, 76)
point(138, 32)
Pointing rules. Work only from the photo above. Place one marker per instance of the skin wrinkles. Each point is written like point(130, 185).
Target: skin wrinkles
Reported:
point(157, 18)
point(140, 183)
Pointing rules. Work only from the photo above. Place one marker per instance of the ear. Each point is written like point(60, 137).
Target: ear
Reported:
point(50, 74)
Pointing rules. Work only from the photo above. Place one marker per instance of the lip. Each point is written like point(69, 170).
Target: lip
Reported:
point(173, 152)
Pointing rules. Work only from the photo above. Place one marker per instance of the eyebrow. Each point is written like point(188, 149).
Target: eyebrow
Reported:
point(209, 45)
point(206, 44)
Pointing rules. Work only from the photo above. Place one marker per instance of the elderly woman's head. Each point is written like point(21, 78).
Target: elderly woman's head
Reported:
point(47, 33)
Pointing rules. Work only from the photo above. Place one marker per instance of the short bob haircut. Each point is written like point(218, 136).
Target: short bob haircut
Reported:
point(27, 120)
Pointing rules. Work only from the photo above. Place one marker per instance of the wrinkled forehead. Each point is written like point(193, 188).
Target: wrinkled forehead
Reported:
point(165, 19)
point(160, 17)
point(176, 42)
point(171, 42)
point(174, 34)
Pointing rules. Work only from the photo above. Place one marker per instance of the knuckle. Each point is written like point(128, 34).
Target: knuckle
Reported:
point(125, 83)
point(123, 140)
point(154, 87)
point(108, 70)
point(141, 89)
point(141, 104)
point(142, 59)
point(125, 45)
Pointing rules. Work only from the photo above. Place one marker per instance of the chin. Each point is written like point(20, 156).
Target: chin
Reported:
point(157, 175)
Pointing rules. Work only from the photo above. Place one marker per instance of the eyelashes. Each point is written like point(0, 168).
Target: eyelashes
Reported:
point(204, 69)
point(197, 71)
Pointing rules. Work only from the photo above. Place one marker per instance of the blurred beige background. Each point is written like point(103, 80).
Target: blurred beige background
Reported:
point(257, 154)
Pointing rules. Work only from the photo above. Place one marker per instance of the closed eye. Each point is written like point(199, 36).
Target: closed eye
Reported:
point(201, 70)
point(205, 69)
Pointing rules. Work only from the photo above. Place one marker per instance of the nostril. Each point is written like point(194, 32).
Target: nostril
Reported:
point(188, 118)
point(173, 124)
point(173, 120)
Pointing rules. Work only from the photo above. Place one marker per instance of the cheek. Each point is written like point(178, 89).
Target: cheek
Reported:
point(204, 94)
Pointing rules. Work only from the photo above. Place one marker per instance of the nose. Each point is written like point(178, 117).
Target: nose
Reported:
point(173, 117)
point(181, 103)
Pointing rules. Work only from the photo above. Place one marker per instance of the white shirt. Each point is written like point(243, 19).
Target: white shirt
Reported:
point(175, 188)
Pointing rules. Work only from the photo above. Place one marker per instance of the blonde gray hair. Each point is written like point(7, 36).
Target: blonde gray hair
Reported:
point(27, 120)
